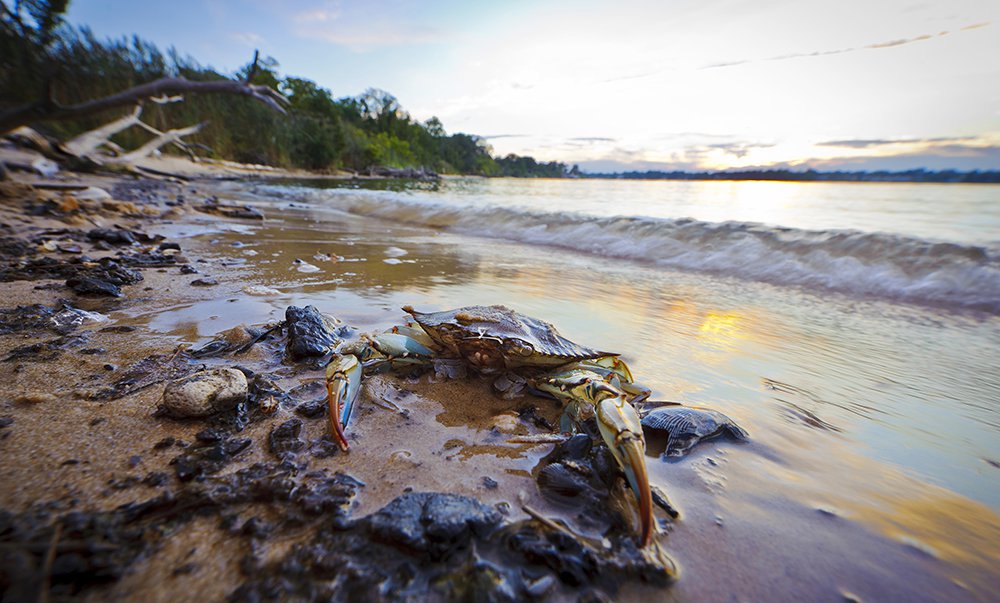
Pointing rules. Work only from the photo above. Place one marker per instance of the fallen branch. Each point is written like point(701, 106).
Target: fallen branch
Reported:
point(164, 138)
point(88, 142)
point(50, 110)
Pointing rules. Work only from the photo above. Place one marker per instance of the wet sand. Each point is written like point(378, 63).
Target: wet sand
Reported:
point(796, 513)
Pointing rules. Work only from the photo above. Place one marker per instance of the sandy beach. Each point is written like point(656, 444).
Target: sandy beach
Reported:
point(798, 512)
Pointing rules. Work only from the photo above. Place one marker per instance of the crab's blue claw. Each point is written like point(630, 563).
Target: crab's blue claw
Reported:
point(343, 382)
point(619, 424)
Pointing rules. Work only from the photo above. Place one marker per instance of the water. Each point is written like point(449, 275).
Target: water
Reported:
point(917, 386)
point(927, 244)
point(852, 329)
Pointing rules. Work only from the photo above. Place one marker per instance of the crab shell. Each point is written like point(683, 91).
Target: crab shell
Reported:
point(496, 337)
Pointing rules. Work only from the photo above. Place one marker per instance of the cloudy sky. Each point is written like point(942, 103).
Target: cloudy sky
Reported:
point(688, 84)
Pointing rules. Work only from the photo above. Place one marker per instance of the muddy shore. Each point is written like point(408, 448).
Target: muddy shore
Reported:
point(107, 498)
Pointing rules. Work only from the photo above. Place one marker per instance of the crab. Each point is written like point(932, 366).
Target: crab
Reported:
point(520, 350)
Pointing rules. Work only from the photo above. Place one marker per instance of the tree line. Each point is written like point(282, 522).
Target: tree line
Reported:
point(41, 55)
point(916, 175)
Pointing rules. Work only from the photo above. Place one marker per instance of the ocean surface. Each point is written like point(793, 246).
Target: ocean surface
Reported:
point(923, 243)
point(852, 328)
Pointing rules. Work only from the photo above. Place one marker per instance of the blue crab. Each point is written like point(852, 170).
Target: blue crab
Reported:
point(497, 340)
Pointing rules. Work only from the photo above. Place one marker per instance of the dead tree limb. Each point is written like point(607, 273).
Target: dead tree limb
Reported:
point(164, 138)
point(88, 142)
point(50, 110)
point(180, 144)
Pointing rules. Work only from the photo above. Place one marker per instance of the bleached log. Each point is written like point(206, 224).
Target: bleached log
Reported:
point(88, 142)
point(180, 144)
point(164, 138)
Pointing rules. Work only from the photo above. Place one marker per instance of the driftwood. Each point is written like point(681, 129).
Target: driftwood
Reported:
point(50, 110)
point(148, 148)
point(88, 142)
point(81, 153)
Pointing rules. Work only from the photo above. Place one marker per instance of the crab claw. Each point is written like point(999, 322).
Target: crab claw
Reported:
point(343, 382)
point(619, 425)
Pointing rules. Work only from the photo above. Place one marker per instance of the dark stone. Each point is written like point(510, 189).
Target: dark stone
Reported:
point(490, 483)
point(107, 279)
point(285, 437)
point(433, 523)
point(210, 436)
point(85, 285)
point(187, 568)
point(207, 459)
point(113, 235)
point(118, 329)
point(309, 332)
point(155, 479)
point(166, 442)
point(46, 350)
point(205, 282)
point(312, 409)
point(188, 269)
point(324, 447)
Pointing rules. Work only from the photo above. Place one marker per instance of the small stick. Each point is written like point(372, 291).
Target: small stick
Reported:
point(50, 559)
point(537, 516)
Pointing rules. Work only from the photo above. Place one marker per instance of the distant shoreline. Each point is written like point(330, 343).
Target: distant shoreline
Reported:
point(920, 175)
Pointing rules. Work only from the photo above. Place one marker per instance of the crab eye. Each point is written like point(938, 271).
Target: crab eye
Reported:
point(516, 346)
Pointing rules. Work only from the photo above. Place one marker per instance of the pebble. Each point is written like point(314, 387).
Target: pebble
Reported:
point(35, 398)
point(205, 282)
point(260, 290)
point(205, 393)
point(507, 422)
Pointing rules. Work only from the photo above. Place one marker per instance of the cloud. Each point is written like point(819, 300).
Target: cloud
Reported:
point(864, 143)
point(948, 156)
point(739, 149)
point(492, 136)
point(592, 139)
point(819, 53)
point(365, 27)
point(248, 38)
point(377, 36)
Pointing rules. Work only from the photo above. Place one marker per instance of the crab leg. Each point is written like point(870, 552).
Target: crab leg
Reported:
point(585, 394)
point(619, 425)
point(392, 349)
point(343, 382)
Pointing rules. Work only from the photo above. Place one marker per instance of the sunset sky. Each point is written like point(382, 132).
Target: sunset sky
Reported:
point(707, 84)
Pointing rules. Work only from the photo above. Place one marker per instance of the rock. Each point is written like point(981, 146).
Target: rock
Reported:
point(285, 437)
point(205, 282)
point(85, 285)
point(106, 278)
point(35, 398)
point(244, 212)
point(506, 422)
point(260, 290)
point(309, 332)
point(205, 393)
point(433, 523)
point(115, 236)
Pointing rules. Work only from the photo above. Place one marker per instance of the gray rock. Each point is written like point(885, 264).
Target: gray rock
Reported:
point(205, 393)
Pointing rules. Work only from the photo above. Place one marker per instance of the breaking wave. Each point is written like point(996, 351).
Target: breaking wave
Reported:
point(853, 262)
